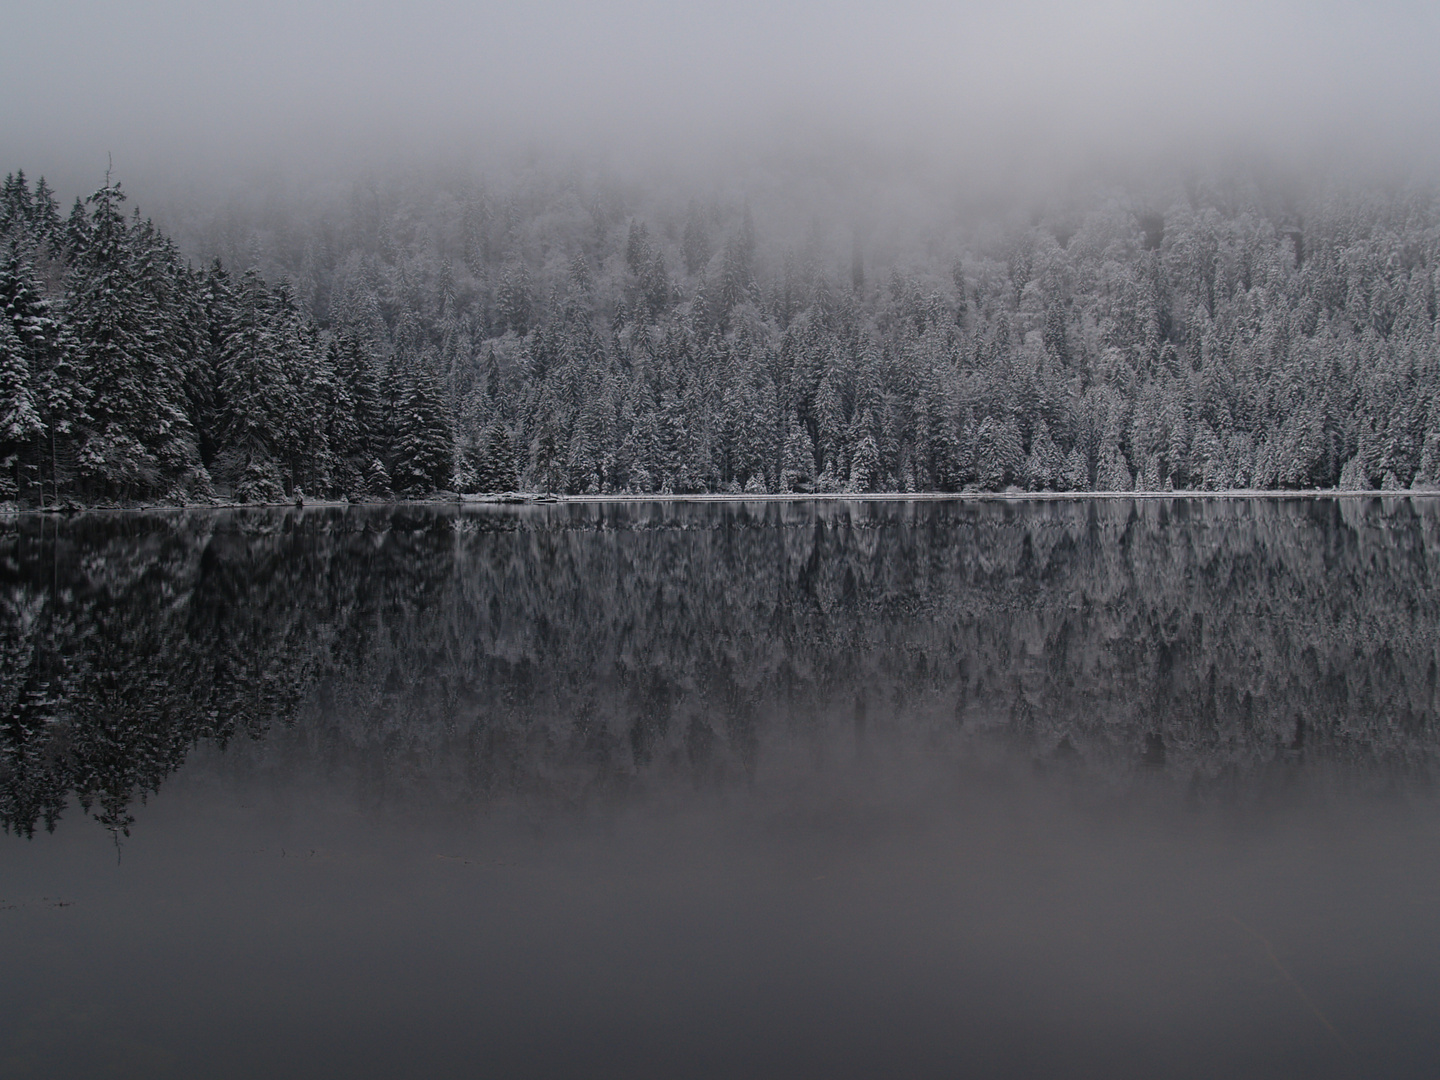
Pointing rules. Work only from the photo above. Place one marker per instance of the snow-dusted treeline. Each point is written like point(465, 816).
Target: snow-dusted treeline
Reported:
point(569, 334)
point(126, 374)
point(1216, 333)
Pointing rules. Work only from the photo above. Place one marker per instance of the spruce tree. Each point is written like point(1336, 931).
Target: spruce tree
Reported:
point(1001, 454)
point(168, 316)
point(865, 464)
point(424, 450)
point(254, 394)
point(20, 425)
point(46, 350)
point(107, 311)
point(1427, 476)
point(299, 441)
point(217, 310)
point(1076, 474)
point(1045, 465)
point(502, 469)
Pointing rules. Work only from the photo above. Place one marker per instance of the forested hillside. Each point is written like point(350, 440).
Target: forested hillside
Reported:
point(564, 334)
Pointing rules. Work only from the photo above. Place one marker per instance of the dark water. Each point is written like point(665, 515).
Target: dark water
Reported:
point(941, 789)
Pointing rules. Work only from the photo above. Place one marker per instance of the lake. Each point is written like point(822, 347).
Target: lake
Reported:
point(854, 788)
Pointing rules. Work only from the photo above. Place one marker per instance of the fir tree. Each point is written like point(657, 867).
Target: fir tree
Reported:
point(865, 464)
point(107, 310)
point(20, 425)
point(424, 452)
point(1427, 476)
point(502, 472)
point(1076, 474)
point(252, 388)
point(1114, 473)
point(1000, 454)
point(1045, 465)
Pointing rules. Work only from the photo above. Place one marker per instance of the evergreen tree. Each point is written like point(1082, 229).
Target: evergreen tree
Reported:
point(45, 348)
point(1076, 474)
point(361, 435)
point(516, 301)
point(1045, 465)
point(1427, 476)
point(377, 482)
point(299, 442)
point(865, 464)
point(502, 471)
point(107, 308)
point(424, 449)
point(1114, 473)
point(255, 396)
point(1000, 453)
point(20, 425)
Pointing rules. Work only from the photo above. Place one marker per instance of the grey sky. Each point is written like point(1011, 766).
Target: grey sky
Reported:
point(172, 84)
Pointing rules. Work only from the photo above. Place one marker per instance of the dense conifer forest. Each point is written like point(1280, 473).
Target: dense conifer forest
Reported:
point(562, 334)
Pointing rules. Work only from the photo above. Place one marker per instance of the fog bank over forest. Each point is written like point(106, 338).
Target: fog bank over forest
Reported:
point(318, 92)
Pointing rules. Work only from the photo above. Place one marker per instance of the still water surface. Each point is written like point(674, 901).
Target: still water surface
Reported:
point(828, 789)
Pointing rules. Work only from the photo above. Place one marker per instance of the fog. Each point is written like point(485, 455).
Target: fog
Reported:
point(320, 90)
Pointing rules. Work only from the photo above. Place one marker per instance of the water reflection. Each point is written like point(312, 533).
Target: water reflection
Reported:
point(568, 653)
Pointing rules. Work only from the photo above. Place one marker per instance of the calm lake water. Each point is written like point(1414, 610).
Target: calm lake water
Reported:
point(1114, 788)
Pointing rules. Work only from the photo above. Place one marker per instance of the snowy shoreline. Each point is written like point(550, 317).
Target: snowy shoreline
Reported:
point(546, 499)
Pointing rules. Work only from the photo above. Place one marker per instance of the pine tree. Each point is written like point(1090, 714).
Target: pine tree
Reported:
point(377, 482)
point(107, 310)
point(169, 319)
point(1114, 473)
point(502, 472)
point(20, 425)
point(1044, 467)
point(1000, 453)
point(299, 441)
point(424, 451)
point(865, 464)
point(1427, 476)
point(217, 303)
point(637, 247)
point(254, 393)
point(14, 202)
point(45, 221)
point(1057, 344)
point(1076, 474)
point(362, 438)
point(516, 301)
point(46, 350)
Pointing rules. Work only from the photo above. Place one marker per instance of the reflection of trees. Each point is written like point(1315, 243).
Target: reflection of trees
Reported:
point(551, 650)
point(132, 638)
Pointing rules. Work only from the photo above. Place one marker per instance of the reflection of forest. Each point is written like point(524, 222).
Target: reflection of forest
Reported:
point(552, 649)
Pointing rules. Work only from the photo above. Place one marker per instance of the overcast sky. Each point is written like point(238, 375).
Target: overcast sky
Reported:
point(321, 84)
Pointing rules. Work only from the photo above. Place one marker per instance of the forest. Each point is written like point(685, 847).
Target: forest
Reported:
point(563, 333)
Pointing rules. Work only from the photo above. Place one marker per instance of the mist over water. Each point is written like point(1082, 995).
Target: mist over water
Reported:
point(1117, 787)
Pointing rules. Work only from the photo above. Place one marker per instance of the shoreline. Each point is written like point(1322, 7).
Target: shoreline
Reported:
point(546, 499)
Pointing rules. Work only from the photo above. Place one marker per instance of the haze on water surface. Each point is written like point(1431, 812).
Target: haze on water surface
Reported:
point(1122, 788)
